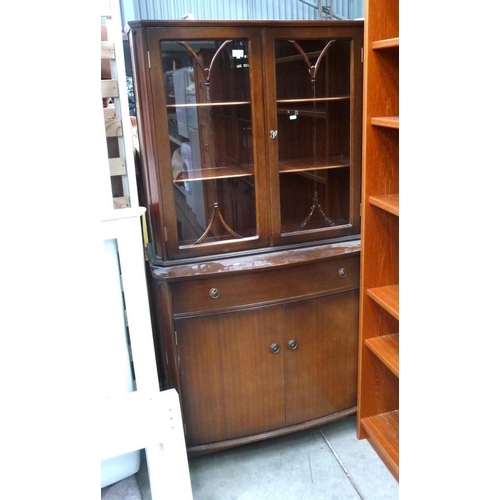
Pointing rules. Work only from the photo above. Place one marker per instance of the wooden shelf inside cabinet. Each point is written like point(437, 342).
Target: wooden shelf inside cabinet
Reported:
point(309, 113)
point(207, 104)
point(386, 297)
point(388, 202)
point(386, 348)
point(297, 57)
point(383, 434)
point(307, 107)
point(310, 165)
point(224, 172)
point(311, 100)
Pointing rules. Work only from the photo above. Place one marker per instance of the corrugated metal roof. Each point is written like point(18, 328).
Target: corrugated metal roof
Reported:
point(246, 9)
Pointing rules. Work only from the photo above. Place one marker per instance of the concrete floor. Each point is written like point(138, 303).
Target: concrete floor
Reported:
point(327, 462)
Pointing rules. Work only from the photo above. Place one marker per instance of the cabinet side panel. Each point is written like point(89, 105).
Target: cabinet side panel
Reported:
point(163, 335)
point(147, 157)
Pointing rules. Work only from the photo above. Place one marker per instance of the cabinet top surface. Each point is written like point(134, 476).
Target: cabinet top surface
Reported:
point(155, 23)
point(257, 262)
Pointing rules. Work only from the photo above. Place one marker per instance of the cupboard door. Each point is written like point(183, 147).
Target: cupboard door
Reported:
point(207, 95)
point(321, 356)
point(231, 382)
point(316, 119)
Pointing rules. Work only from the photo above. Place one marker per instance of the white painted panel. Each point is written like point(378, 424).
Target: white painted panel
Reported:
point(116, 369)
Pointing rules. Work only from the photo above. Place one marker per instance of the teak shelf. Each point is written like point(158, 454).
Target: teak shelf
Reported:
point(378, 367)
point(386, 348)
point(383, 434)
point(386, 297)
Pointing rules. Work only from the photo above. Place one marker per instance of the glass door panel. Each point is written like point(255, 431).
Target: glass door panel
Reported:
point(207, 90)
point(313, 112)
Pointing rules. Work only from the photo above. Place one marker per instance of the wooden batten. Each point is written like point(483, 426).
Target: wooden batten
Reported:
point(113, 127)
point(117, 166)
point(107, 50)
point(109, 88)
point(121, 202)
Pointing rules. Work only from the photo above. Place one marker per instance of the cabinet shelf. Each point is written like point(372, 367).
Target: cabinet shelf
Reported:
point(305, 107)
point(301, 165)
point(388, 43)
point(312, 100)
point(321, 224)
point(385, 121)
point(207, 104)
point(386, 297)
point(297, 57)
point(386, 348)
point(308, 113)
point(388, 202)
point(383, 434)
point(204, 174)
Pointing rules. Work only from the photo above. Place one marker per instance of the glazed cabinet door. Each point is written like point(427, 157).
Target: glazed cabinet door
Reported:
point(205, 101)
point(250, 133)
point(321, 356)
point(313, 81)
point(231, 374)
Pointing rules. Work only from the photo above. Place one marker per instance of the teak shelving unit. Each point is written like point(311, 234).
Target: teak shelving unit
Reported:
point(378, 380)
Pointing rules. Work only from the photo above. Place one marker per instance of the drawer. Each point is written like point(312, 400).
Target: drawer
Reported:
point(265, 286)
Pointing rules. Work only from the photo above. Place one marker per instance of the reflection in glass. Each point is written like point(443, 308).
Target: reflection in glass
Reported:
point(207, 88)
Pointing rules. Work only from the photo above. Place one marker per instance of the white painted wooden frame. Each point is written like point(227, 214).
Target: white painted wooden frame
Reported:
point(148, 418)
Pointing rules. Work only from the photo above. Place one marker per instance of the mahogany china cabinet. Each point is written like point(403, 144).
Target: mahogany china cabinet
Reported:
point(250, 170)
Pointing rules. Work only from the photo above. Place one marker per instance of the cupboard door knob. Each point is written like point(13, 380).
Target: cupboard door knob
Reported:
point(342, 272)
point(275, 348)
point(273, 134)
point(214, 293)
point(292, 344)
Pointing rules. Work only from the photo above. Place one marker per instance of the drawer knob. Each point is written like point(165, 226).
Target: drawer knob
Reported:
point(275, 348)
point(214, 293)
point(292, 344)
point(342, 272)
